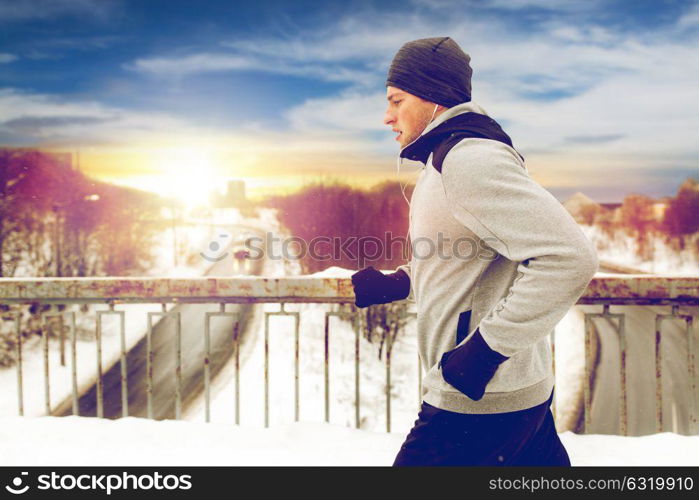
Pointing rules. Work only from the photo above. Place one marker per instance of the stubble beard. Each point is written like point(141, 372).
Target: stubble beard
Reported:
point(425, 121)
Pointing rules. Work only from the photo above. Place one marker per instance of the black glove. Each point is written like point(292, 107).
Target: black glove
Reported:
point(374, 287)
point(471, 366)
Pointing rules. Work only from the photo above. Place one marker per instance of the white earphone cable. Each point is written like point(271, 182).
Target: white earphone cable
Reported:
point(400, 158)
point(399, 164)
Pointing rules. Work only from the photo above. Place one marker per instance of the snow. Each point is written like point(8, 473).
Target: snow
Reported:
point(136, 319)
point(404, 364)
point(335, 272)
point(79, 441)
point(623, 249)
point(569, 359)
point(133, 441)
point(404, 392)
point(192, 239)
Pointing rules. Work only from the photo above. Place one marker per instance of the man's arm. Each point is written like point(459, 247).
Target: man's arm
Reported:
point(490, 192)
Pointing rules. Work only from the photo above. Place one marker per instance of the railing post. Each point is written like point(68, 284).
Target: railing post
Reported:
point(45, 348)
point(296, 315)
point(389, 343)
point(178, 367)
point(207, 355)
point(266, 369)
point(692, 375)
point(588, 371)
point(74, 365)
point(98, 343)
point(18, 347)
point(357, 396)
point(297, 395)
point(326, 365)
point(621, 334)
point(236, 340)
point(122, 361)
point(623, 410)
point(62, 343)
point(163, 314)
point(688, 320)
point(658, 376)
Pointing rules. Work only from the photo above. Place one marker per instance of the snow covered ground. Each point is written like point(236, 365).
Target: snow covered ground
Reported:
point(191, 240)
point(136, 321)
point(623, 249)
point(569, 354)
point(404, 364)
point(71, 440)
point(75, 441)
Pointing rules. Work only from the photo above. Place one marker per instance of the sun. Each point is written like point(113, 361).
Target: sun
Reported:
point(187, 173)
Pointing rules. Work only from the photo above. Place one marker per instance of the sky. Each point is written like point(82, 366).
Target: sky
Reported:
point(599, 96)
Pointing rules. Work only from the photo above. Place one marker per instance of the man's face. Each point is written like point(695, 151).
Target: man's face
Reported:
point(407, 114)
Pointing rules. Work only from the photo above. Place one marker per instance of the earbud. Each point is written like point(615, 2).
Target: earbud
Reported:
point(398, 165)
point(433, 112)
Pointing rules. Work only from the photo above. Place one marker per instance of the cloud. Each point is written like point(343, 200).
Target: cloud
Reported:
point(567, 6)
point(44, 118)
point(510, 5)
point(362, 38)
point(560, 60)
point(7, 58)
point(207, 62)
point(573, 89)
point(690, 18)
point(82, 43)
point(355, 50)
point(352, 112)
point(25, 10)
point(565, 86)
point(581, 101)
point(593, 139)
point(194, 63)
point(34, 119)
point(37, 125)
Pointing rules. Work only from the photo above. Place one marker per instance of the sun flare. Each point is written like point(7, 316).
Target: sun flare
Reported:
point(188, 174)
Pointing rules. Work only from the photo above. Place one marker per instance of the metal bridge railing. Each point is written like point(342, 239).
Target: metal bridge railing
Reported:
point(605, 291)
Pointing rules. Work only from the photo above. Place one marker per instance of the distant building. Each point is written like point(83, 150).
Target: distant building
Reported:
point(234, 197)
point(659, 208)
point(582, 208)
point(236, 191)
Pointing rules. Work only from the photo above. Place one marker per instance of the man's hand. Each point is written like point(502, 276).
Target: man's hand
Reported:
point(374, 287)
point(471, 366)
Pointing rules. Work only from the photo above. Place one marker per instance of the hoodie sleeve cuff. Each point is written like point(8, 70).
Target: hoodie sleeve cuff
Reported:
point(471, 366)
point(399, 285)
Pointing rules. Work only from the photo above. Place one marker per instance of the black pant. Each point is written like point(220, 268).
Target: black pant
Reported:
point(524, 437)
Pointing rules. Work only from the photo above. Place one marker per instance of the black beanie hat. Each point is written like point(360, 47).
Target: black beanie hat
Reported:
point(435, 69)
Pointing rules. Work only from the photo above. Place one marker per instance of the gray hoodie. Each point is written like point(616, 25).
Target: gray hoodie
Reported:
point(489, 240)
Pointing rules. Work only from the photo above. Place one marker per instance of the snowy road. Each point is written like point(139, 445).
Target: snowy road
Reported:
point(640, 372)
point(192, 318)
point(641, 375)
